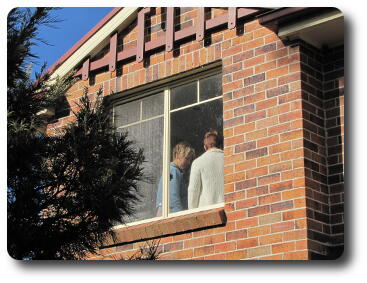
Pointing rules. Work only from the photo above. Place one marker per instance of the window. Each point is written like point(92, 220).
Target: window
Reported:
point(169, 124)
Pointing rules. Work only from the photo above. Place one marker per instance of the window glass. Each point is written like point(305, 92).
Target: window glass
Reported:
point(127, 113)
point(147, 135)
point(152, 106)
point(210, 87)
point(188, 127)
point(183, 95)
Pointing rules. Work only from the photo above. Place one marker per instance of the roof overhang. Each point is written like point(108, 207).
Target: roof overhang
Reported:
point(116, 21)
point(320, 27)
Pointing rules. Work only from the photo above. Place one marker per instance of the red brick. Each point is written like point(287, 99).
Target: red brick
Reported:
point(265, 67)
point(248, 222)
point(265, 123)
point(289, 78)
point(257, 153)
point(256, 135)
point(259, 210)
point(254, 98)
point(299, 255)
point(243, 56)
point(244, 92)
point(277, 72)
point(233, 122)
point(260, 171)
point(246, 203)
point(245, 184)
point(268, 160)
point(247, 243)
point(258, 191)
point(258, 231)
point(244, 109)
point(243, 73)
point(234, 140)
point(215, 257)
point(232, 51)
point(270, 239)
point(225, 247)
point(290, 116)
point(268, 199)
point(282, 206)
point(235, 235)
point(294, 214)
point(279, 129)
point(236, 255)
point(269, 179)
point(292, 194)
point(282, 226)
point(245, 165)
point(266, 104)
point(244, 128)
point(244, 146)
point(259, 251)
point(203, 251)
point(279, 167)
point(281, 248)
point(253, 44)
point(232, 86)
point(280, 147)
point(295, 235)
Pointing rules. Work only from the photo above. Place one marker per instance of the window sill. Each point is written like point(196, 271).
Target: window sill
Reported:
point(168, 226)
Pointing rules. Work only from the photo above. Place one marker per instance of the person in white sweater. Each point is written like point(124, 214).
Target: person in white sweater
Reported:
point(206, 184)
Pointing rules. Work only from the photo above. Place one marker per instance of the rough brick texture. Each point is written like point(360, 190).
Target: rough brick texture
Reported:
point(283, 122)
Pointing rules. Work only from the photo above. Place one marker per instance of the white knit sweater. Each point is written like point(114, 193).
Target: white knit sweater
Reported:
point(206, 179)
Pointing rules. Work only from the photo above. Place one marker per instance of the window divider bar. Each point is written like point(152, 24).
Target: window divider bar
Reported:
point(166, 154)
point(197, 103)
point(197, 91)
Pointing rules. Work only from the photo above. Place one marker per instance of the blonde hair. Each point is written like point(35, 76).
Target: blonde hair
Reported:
point(183, 149)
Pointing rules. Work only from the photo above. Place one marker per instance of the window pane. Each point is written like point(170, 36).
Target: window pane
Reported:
point(127, 113)
point(189, 125)
point(149, 136)
point(183, 95)
point(211, 87)
point(152, 106)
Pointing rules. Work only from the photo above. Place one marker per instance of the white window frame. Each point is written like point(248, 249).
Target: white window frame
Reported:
point(166, 89)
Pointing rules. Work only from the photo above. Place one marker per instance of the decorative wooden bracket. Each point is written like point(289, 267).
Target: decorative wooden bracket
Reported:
point(113, 52)
point(141, 34)
point(232, 17)
point(85, 69)
point(170, 28)
point(200, 28)
point(167, 40)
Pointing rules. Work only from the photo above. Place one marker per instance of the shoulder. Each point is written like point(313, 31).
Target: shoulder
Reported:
point(197, 163)
point(174, 169)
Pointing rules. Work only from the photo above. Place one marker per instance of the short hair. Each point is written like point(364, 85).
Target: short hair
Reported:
point(211, 138)
point(184, 149)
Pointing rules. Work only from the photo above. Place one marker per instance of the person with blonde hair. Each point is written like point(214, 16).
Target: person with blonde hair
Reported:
point(206, 185)
point(182, 154)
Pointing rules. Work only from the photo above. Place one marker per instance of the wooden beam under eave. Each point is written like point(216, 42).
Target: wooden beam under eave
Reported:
point(113, 52)
point(85, 69)
point(141, 36)
point(200, 29)
point(232, 17)
point(170, 28)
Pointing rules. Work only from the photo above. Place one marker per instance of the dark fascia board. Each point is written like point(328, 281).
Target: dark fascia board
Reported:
point(283, 15)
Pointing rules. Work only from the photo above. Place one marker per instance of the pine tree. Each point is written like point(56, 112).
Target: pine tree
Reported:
point(65, 192)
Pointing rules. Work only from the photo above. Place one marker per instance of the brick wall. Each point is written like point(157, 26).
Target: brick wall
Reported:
point(334, 115)
point(279, 158)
